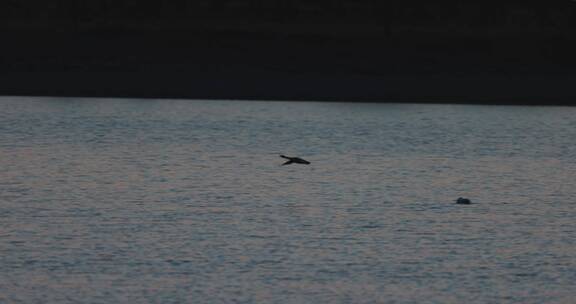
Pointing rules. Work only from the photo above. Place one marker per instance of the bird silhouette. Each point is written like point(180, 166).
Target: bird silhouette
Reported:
point(294, 160)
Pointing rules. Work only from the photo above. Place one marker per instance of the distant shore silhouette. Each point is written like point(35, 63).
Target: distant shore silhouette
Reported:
point(513, 53)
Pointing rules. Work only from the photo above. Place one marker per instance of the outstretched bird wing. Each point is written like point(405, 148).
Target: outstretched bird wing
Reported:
point(294, 160)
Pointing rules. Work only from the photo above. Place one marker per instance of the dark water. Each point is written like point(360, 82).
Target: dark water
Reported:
point(143, 201)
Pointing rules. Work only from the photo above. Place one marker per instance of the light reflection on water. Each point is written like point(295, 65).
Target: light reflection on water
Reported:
point(131, 201)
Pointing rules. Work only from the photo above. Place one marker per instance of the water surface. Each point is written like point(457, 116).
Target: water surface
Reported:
point(180, 201)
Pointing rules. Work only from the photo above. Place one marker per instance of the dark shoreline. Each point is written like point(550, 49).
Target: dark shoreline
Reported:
point(363, 63)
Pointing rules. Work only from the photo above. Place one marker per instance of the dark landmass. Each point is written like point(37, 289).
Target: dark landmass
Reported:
point(396, 51)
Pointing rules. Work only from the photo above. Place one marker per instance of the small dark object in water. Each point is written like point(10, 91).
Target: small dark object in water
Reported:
point(463, 201)
point(294, 160)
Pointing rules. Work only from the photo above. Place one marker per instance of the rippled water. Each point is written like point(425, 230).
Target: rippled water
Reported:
point(164, 201)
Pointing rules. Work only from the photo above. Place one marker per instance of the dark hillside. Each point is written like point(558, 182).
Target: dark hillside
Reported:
point(441, 51)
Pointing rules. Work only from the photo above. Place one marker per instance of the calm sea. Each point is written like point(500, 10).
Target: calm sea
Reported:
point(181, 201)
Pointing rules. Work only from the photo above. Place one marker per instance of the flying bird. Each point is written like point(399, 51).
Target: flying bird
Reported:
point(294, 160)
